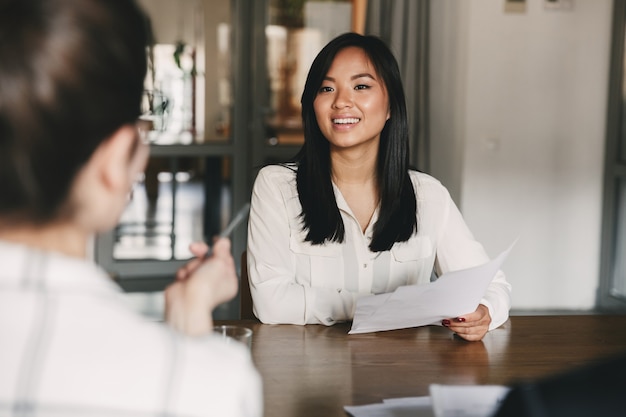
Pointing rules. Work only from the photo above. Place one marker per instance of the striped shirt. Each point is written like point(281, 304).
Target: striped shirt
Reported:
point(69, 345)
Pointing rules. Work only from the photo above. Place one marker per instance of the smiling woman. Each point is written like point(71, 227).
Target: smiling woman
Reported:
point(352, 105)
point(351, 110)
point(340, 221)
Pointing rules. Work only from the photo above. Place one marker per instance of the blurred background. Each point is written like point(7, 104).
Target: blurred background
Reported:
point(516, 106)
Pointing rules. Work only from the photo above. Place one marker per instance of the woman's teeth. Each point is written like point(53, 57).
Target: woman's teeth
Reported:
point(346, 121)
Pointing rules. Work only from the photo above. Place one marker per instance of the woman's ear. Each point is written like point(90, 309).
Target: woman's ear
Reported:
point(101, 190)
point(122, 157)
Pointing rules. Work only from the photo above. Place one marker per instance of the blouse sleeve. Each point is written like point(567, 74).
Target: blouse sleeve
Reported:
point(277, 296)
point(458, 249)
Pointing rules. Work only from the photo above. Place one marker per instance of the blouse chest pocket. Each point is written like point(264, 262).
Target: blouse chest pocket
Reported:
point(414, 249)
point(413, 260)
point(318, 266)
point(328, 250)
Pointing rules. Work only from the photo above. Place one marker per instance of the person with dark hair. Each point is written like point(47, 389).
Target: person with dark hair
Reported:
point(348, 217)
point(71, 82)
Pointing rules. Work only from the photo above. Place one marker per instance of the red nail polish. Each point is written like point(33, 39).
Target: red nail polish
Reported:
point(445, 322)
point(461, 319)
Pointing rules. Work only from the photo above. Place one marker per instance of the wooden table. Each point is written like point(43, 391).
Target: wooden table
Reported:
point(316, 370)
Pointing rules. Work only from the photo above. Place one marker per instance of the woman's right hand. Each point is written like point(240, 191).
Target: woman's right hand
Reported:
point(200, 286)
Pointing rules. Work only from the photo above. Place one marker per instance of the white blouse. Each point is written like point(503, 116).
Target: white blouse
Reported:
point(295, 282)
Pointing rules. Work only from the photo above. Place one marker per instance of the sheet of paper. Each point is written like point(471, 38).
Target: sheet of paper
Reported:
point(414, 401)
point(444, 401)
point(452, 294)
point(397, 407)
point(466, 400)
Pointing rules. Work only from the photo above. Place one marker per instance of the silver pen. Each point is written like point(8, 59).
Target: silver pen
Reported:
point(239, 217)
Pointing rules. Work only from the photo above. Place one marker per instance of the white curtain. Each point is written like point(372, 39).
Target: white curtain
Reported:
point(403, 25)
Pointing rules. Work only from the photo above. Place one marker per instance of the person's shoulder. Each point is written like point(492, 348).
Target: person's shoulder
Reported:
point(277, 173)
point(422, 176)
point(428, 187)
point(216, 377)
point(225, 369)
point(214, 353)
point(421, 179)
point(208, 359)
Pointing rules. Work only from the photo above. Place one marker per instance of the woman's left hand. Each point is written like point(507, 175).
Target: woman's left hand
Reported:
point(473, 326)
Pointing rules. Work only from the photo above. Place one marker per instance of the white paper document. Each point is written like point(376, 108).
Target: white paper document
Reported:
point(466, 400)
point(396, 407)
point(444, 401)
point(451, 295)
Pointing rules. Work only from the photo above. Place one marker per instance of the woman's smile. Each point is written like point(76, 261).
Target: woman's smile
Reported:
point(346, 121)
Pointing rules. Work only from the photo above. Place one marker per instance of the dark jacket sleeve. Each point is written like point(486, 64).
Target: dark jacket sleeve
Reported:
point(597, 390)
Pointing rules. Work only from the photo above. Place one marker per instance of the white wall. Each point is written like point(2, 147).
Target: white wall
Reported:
point(518, 129)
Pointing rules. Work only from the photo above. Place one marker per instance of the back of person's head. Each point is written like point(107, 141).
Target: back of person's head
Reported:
point(71, 74)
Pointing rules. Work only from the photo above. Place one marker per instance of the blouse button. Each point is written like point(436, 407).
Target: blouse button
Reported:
point(364, 265)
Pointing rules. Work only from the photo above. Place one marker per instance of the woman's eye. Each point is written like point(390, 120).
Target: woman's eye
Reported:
point(325, 89)
point(361, 87)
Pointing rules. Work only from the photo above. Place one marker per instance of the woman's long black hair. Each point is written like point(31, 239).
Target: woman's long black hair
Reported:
point(397, 219)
